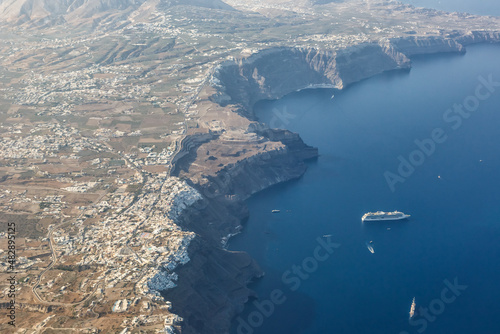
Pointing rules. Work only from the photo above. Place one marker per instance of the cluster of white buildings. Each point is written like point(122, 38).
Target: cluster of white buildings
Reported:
point(85, 84)
point(142, 243)
point(44, 140)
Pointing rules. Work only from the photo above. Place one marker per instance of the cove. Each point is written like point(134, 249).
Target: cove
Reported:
point(450, 241)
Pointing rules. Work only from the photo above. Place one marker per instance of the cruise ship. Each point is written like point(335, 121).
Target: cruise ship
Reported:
point(380, 215)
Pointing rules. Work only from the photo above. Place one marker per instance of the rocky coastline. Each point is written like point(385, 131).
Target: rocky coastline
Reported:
point(212, 287)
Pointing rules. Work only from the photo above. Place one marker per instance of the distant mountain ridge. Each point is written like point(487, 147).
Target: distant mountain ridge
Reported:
point(21, 11)
point(56, 11)
point(214, 4)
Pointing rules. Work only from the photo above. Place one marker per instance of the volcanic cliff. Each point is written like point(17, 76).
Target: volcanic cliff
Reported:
point(212, 287)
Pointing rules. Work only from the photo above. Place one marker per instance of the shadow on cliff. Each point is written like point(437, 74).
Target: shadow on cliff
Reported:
point(294, 316)
point(213, 287)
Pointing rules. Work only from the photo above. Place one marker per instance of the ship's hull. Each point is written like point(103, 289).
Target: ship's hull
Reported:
point(384, 219)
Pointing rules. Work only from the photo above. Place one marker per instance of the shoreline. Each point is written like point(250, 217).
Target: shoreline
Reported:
point(235, 206)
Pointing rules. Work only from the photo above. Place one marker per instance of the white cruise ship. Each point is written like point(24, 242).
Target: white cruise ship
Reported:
point(380, 215)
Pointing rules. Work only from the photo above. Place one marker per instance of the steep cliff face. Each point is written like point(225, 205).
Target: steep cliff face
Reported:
point(453, 42)
point(274, 73)
point(259, 172)
point(188, 145)
point(212, 288)
point(412, 46)
point(475, 37)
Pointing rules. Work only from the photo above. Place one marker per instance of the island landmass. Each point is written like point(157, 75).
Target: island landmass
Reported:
point(128, 144)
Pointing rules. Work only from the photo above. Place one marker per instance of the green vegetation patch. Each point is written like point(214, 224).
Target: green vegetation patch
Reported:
point(25, 227)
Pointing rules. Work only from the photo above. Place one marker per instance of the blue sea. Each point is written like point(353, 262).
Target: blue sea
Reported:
point(425, 142)
point(480, 7)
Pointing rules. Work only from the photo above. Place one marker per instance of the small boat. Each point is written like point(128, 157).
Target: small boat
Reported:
point(370, 248)
point(412, 308)
point(276, 211)
point(332, 96)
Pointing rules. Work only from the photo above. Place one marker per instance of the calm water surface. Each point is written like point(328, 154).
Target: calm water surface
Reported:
point(453, 198)
point(480, 7)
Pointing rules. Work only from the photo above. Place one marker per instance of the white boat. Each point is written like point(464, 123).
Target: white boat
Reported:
point(370, 248)
point(412, 308)
point(276, 211)
point(381, 215)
